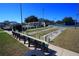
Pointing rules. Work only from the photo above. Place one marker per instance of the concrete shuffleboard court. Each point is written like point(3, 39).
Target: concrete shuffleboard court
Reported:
point(44, 32)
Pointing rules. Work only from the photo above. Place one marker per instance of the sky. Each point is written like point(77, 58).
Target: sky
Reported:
point(51, 11)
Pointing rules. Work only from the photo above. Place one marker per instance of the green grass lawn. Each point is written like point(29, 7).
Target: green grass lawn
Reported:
point(10, 47)
point(1, 30)
point(40, 34)
point(69, 39)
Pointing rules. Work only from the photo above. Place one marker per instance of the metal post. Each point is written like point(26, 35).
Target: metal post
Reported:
point(75, 24)
point(21, 14)
point(77, 15)
point(43, 14)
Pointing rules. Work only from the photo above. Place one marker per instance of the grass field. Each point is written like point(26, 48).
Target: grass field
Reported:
point(40, 34)
point(1, 30)
point(69, 39)
point(10, 47)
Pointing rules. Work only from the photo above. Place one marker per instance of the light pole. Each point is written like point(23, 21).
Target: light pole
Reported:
point(21, 11)
point(21, 14)
point(77, 15)
point(76, 21)
point(43, 11)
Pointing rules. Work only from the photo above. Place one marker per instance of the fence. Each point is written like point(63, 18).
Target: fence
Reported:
point(50, 36)
point(31, 40)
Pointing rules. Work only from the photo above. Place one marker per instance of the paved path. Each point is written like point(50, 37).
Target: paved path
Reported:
point(62, 52)
point(59, 51)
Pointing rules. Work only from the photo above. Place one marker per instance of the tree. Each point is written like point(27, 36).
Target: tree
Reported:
point(68, 21)
point(59, 22)
point(6, 22)
point(47, 22)
point(17, 27)
point(31, 19)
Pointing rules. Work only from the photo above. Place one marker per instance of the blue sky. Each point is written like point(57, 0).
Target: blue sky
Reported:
point(53, 11)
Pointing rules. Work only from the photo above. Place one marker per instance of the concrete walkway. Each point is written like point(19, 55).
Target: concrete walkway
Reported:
point(59, 51)
point(62, 52)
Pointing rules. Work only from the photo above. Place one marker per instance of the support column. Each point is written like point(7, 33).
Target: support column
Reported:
point(28, 42)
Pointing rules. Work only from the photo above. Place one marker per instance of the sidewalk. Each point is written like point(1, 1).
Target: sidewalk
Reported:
point(59, 51)
point(62, 52)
